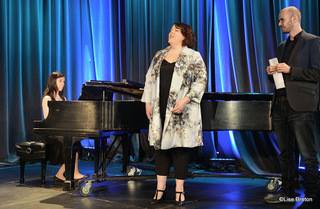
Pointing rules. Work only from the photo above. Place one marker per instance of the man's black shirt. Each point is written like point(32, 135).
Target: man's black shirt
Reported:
point(288, 49)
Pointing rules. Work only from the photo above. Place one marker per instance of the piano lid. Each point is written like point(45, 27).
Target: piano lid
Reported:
point(124, 84)
point(97, 90)
point(94, 90)
point(228, 96)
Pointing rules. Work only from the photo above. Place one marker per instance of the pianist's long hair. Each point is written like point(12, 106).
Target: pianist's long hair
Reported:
point(52, 86)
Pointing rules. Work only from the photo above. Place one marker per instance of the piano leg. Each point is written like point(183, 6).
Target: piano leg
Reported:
point(69, 163)
point(110, 152)
point(103, 148)
point(126, 152)
point(22, 168)
point(97, 153)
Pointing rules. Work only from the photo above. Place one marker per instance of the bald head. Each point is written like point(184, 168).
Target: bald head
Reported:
point(290, 20)
point(293, 12)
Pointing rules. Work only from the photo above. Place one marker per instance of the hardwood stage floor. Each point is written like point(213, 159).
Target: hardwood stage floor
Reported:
point(204, 192)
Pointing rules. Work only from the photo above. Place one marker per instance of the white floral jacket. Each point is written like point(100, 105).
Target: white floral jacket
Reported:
point(189, 79)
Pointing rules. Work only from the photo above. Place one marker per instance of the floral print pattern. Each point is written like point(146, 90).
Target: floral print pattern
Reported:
point(189, 79)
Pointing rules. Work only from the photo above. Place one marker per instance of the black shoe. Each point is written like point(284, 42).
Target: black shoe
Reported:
point(180, 202)
point(280, 197)
point(58, 180)
point(157, 200)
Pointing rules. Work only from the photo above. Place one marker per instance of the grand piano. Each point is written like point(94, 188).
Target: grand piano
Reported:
point(97, 113)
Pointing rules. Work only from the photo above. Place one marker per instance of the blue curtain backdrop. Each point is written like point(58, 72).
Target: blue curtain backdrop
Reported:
point(78, 38)
point(87, 39)
point(111, 40)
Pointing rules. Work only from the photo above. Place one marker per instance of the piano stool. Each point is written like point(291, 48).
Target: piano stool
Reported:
point(31, 152)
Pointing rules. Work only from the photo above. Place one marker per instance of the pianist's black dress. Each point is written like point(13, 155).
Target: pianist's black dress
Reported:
point(55, 147)
point(55, 150)
point(166, 72)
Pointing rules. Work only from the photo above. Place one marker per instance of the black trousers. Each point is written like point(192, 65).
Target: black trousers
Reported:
point(179, 157)
point(293, 128)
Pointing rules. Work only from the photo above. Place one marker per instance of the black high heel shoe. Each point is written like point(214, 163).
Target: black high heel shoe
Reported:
point(58, 181)
point(156, 200)
point(180, 202)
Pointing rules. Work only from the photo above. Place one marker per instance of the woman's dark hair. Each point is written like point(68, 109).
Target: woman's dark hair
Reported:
point(189, 37)
point(52, 86)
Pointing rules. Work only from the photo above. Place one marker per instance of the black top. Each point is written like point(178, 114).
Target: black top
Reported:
point(166, 71)
point(288, 49)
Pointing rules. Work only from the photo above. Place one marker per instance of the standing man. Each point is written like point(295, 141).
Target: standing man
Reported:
point(294, 106)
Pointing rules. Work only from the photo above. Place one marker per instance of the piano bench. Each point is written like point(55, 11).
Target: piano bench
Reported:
point(31, 152)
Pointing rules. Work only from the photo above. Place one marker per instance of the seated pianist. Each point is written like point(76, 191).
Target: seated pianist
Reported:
point(54, 146)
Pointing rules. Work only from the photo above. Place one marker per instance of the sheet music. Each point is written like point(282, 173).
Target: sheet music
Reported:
point(277, 77)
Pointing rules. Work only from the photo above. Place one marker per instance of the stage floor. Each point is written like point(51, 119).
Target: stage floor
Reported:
point(204, 192)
